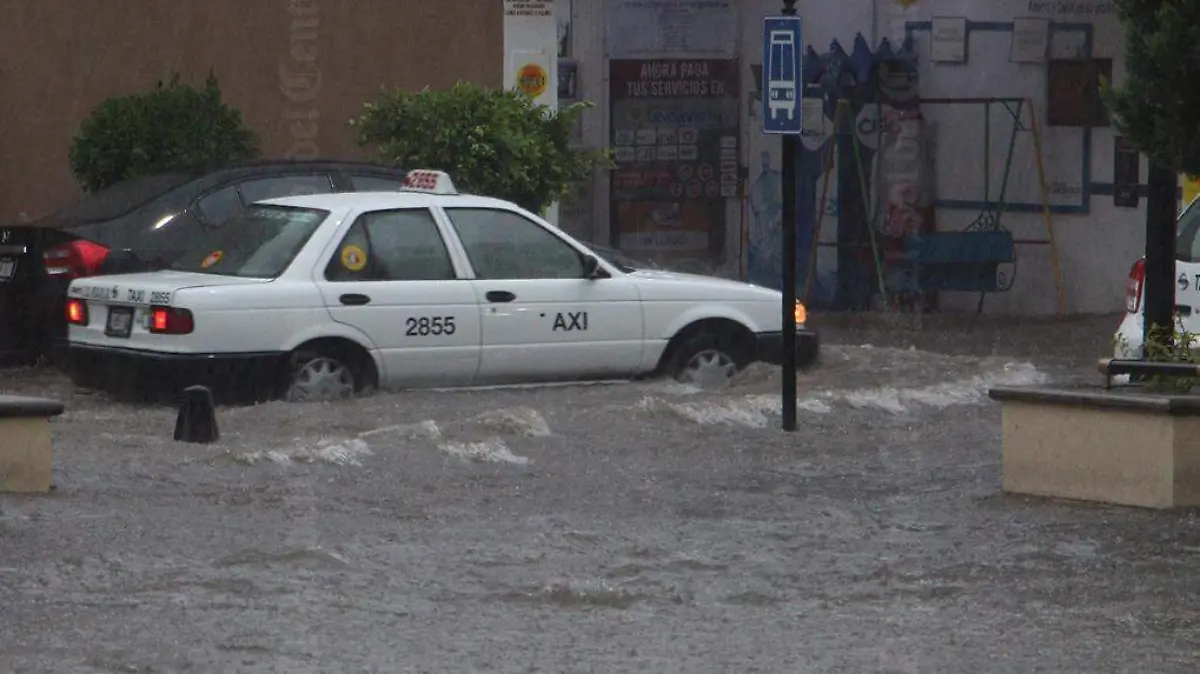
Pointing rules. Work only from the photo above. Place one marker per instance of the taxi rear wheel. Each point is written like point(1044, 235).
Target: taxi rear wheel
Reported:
point(324, 374)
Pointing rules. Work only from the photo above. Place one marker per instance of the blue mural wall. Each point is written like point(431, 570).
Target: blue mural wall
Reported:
point(859, 78)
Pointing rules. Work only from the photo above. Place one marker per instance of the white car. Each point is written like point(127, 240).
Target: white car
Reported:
point(1127, 342)
point(319, 297)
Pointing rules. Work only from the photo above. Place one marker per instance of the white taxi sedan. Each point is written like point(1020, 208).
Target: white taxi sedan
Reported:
point(319, 297)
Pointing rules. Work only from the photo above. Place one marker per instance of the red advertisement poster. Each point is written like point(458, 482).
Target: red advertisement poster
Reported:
point(674, 139)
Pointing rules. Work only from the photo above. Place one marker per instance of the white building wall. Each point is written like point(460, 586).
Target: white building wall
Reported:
point(1095, 247)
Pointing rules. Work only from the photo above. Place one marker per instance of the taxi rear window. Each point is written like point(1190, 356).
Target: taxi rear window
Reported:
point(259, 243)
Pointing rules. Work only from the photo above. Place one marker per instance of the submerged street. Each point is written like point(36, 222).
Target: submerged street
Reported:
point(598, 528)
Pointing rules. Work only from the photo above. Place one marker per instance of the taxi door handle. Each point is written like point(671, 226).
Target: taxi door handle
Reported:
point(354, 299)
point(500, 296)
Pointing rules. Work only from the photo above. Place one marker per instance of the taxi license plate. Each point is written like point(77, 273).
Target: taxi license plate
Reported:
point(120, 322)
point(7, 267)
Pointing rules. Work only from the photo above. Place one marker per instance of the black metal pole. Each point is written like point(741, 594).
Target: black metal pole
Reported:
point(788, 256)
point(1159, 290)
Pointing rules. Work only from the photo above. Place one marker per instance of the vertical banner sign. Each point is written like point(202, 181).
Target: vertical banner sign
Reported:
point(1126, 173)
point(782, 77)
point(531, 57)
point(531, 49)
point(675, 142)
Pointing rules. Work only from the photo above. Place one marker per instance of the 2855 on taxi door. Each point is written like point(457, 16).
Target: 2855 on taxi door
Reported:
point(429, 325)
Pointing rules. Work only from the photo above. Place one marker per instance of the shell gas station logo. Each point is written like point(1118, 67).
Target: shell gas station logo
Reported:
point(532, 79)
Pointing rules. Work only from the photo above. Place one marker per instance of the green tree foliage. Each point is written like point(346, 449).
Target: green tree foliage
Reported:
point(491, 142)
point(1158, 106)
point(173, 126)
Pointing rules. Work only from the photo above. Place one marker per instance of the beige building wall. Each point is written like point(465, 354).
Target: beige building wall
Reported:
point(297, 69)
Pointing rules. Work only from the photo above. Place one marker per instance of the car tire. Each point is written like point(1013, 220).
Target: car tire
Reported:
point(323, 375)
point(707, 360)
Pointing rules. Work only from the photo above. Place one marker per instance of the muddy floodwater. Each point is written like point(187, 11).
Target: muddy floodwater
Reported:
point(635, 527)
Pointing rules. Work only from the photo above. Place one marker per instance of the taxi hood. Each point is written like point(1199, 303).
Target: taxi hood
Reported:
point(657, 284)
point(149, 288)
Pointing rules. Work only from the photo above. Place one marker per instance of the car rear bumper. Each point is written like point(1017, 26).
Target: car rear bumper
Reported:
point(31, 319)
point(150, 375)
point(770, 347)
point(1127, 342)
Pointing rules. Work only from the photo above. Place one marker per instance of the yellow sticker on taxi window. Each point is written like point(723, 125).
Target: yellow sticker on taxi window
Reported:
point(354, 258)
point(213, 258)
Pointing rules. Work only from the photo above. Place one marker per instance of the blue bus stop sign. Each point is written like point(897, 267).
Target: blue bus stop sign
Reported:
point(781, 73)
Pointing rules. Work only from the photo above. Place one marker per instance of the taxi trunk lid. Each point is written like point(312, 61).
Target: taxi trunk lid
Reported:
point(119, 307)
point(156, 288)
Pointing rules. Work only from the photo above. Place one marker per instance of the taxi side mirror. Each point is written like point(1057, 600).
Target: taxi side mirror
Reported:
point(592, 268)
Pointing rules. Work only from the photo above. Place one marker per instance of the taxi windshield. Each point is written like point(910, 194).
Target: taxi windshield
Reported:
point(258, 243)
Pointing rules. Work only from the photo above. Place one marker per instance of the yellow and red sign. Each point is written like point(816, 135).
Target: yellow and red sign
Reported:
point(532, 79)
point(354, 258)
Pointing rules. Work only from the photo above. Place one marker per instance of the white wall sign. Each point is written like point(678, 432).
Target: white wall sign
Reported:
point(528, 8)
point(817, 127)
point(1030, 40)
point(639, 29)
point(1072, 8)
point(531, 49)
point(531, 56)
point(948, 39)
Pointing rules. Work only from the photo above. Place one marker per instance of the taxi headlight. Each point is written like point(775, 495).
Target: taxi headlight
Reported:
point(801, 314)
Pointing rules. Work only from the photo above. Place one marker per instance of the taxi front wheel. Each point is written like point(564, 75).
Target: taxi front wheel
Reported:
point(707, 361)
point(324, 375)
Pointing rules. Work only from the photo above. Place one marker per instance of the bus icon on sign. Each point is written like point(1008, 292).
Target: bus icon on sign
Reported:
point(782, 51)
point(781, 75)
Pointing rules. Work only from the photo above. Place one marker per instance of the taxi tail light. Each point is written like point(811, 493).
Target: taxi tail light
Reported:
point(1133, 286)
point(171, 321)
point(75, 259)
point(77, 312)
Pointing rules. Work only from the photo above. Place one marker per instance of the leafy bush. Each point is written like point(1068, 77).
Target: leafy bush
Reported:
point(1158, 105)
point(172, 126)
point(1164, 345)
point(491, 142)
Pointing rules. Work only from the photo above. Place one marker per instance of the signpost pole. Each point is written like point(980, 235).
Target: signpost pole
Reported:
point(788, 242)
point(788, 222)
point(1159, 290)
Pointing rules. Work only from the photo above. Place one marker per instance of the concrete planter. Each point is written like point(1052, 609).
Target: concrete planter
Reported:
point(1090, 444)
point(25, 464)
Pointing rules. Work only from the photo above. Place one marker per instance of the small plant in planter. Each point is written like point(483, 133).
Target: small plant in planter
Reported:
point(1167, 346)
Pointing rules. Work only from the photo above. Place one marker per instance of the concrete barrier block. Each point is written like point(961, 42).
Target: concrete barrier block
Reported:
point(25, 443)
point(1136, 449)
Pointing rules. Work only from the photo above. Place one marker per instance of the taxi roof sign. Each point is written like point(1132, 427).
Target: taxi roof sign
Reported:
point(434, 182)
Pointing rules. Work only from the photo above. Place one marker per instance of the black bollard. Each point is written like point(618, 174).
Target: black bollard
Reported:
point(197, 420)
